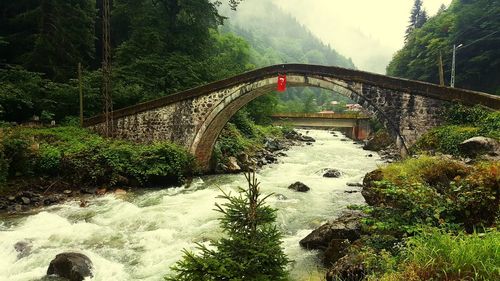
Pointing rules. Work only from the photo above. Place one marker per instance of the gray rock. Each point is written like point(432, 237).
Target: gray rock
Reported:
point(300, 187)
point(355, 184)
point(346, 226)
point(73, 266)
point(25, 200)
point(232, 165)
point(23, 249)
point(332, 173)
point(273, 145)
point(477, 146)
point(307, 139)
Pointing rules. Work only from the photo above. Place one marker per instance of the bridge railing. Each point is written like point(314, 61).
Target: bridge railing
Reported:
point(353, 115)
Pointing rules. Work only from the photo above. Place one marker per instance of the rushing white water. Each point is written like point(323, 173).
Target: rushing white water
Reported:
point(138, 236)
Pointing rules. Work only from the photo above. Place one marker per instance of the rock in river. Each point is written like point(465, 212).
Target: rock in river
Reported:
point(346, 226)
point(72, 266)
point(332, 173)
point(300, 187)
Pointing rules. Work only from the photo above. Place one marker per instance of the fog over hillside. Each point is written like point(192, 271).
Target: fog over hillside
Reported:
point(368, 31)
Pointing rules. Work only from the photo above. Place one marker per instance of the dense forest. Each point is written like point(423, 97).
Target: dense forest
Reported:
point(158, 48)
point(472, 25)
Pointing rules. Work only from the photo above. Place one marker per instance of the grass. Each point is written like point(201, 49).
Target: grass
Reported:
point(424, 169)
point(437, 255)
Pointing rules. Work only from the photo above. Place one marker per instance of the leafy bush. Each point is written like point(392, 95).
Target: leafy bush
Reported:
point(434, 191)
point(251, 251)
point(243, 123)
point(445, 139)
point(85, 158)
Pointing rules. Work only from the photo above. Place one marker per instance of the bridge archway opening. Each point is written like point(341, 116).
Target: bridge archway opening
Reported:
point(208, 133)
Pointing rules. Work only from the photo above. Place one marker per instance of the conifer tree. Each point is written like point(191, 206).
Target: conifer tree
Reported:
point(418, 17)
point(251, 251)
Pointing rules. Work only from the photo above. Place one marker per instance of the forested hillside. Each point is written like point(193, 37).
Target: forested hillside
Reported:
point(475, 25)
point(158, 47)
point(276, 37)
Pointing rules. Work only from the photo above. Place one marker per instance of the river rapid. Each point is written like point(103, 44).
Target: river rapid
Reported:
point(138, 236)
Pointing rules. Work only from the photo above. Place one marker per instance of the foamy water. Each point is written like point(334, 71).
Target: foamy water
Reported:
point(140, 235)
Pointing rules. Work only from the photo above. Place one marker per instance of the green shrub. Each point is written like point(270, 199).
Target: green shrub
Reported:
point(82, 157)
point(459, 114)
point(48, 161)
point(445, 139)
point(461, 123)
point(251, 251)
point(434, 191)
point(243, 123)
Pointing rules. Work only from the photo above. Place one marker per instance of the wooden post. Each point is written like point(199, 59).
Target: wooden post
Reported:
point(81, 92)
point(441, 72)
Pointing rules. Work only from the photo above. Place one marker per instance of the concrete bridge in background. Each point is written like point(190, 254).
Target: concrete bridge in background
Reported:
point(194, 118)
point(354, 125)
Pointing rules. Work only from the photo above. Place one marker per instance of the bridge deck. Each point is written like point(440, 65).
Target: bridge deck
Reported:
point(422, 88)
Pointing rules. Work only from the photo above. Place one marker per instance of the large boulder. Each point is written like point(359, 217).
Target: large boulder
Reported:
point(477, 146)
point(72, 266)
point(300, 187)
point(346, 226)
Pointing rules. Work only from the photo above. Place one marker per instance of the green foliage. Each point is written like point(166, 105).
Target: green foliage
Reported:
point(438, 255)
point(434, 191)
point(250, 251)
point(243, 123)
point(81, 157)
point(464, 123)
point(471, 23)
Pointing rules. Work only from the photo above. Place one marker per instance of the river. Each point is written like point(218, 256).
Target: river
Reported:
point(138, 236)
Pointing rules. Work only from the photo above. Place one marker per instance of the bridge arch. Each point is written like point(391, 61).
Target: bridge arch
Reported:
point(194, 118)
point(206, 137)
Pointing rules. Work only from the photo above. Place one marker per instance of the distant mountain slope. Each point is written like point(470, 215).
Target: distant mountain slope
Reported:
point(276, 37)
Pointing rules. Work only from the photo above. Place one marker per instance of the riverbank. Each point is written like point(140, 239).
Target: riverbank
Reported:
point(139, 235)
point(432, 216)
point(46, 166)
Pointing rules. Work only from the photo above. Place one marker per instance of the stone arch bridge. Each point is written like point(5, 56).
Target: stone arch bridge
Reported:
point(194, 118)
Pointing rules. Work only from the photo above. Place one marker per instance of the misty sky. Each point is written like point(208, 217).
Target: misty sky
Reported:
point(368, 31)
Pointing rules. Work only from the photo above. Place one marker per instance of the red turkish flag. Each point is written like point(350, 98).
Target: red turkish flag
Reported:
point(281, 83)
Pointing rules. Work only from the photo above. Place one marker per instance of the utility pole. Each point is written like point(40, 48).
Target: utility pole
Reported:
point(81, 93)
point(106, 70)
point(441, 71)
point(455, 48)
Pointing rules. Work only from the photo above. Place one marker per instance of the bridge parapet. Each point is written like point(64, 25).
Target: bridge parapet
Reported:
point(194, 118)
